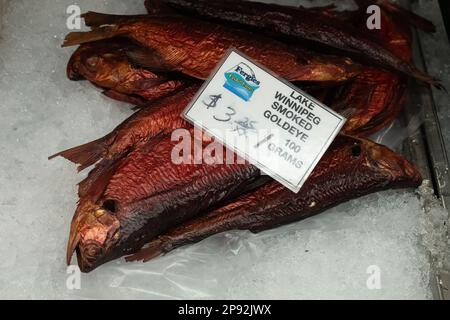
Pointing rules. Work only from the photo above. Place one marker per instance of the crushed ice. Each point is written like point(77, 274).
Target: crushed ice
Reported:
point(326, 256)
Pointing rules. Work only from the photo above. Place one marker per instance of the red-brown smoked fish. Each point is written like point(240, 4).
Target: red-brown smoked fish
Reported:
point(376, 96)
point(302, 25)
point(349, 169)
point(161, 118)
point(105, 64)
point(195, 47)
point(159, 8)
point(139, 197)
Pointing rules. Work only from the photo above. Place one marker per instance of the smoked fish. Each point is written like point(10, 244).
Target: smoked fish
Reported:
point(161, 118)
point(195, 47)
point(302, 25)
point(138, 197)
point(349, 169)
point(105, 64)
point(376, 96)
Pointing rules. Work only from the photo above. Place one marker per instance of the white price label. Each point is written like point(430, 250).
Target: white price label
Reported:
point(268, 121)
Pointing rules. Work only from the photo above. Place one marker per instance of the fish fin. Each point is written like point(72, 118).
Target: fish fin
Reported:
point(97, 180)
point(149, 59)
point(438, 85)
point(87, 154)
point(132, 99)
point(145, 84)
point(435, 82)
point(105, 166)
point(75, 38)
point(171, 62)
point(96, 19)
point(150, 251)
point(148, 145)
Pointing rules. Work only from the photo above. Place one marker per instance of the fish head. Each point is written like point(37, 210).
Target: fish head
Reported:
point(385, 164)
point(105, 69)
point(99, 65)
point(100, 62)
point(94, 234)
point(395, 165)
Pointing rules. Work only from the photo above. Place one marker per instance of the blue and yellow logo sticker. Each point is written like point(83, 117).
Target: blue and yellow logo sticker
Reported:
point(241, 80)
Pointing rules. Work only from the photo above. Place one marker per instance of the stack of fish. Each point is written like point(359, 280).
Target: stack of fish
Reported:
point(137, 203)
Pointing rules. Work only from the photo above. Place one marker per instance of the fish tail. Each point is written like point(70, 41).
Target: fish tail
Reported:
point(433, 81)
point(411, 71)
point(87, 154)
point(75, 38)
point(438, 85)
point(152, 250)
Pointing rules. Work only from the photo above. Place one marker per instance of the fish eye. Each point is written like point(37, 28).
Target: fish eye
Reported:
point(110, 205)
point(356, 150)
point(92, 61)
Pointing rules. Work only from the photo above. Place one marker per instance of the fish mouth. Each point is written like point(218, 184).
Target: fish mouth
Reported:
point(93, 234)
point(88, 255)
point(73, 72)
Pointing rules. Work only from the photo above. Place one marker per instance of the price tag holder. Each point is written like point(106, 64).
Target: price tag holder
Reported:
point(264, 119)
